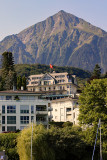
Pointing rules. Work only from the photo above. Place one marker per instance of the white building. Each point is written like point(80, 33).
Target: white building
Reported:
point(19, 108)
point(53, 85)
point(65, 109)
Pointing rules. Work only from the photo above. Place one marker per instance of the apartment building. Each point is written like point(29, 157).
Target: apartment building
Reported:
point(53, 85)
point(19, 108)
point(65, 109)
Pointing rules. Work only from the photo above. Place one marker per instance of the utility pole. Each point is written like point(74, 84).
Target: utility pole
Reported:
point(100, 142)
point(31, 139)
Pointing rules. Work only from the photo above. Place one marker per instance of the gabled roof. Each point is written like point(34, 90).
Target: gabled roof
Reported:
point(48, 75)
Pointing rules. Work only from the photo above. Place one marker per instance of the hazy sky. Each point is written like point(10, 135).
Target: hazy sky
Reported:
point(16, 15)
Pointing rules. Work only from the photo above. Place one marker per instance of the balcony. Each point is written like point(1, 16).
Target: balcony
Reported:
point(0, 111)
point(0, 121)
point(42, 112)
point(50, 109)
point(50, 116)
point(68, 112)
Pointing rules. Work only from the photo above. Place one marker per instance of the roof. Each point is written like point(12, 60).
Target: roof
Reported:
point(65, 99)
point(19, 92)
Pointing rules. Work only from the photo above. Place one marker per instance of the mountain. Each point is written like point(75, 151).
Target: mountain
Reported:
point(63, 40)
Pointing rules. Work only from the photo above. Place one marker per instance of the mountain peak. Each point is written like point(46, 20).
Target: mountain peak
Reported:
point(62, 39)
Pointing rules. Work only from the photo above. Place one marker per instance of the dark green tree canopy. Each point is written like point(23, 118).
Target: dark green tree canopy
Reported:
point(97, 71)
point(8, 71)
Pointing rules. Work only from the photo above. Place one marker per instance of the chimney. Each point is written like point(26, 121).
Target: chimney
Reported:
point(22, 88)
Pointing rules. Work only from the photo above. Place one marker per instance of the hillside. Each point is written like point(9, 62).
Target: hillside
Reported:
point(31, 69)
point(63, 40)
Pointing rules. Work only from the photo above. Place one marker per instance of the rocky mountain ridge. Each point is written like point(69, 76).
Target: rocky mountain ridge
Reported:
point(63, 40)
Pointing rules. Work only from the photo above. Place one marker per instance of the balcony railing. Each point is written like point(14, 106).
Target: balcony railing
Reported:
point(50, 109)
point(41, 112)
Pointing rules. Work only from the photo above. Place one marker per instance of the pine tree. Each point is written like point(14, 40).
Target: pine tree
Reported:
point(24, 82)
point(97, 72)
point(19, 82)
point(8, 71)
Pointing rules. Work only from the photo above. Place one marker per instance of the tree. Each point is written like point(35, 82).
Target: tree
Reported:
point(8, 71)
point(93, 105)
point(92, 102)
point(97, 72)
point(40, 147)
point(9, 144)
point(19, 82)
point(24, 82)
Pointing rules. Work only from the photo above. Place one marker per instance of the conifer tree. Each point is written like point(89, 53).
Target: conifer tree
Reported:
point(24, 82)
point(97, 72)
point(8, 71)
point(19, 82)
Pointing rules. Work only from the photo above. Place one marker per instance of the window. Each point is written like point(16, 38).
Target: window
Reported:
point(3, 119)
point(24, 119)
point(54, 88)
point(11, 128)
point(2, 98)
point(35, 82)
point(55, 110)
point(3, 109)
point(8, 97)
point(60, 87)
point(40, 118)
point(11, 119)
point(40, 107)
point(24, 109)
point(46, 82)
point(68, 109)
point(3, 128)
point(49, 105)
point(56, 117)
point(40, 89)
point(22, 127)
point(32, 109)
point(11, 109)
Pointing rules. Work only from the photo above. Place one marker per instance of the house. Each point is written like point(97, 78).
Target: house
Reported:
point(65, 109)
point(53, 85)
point(19, 108)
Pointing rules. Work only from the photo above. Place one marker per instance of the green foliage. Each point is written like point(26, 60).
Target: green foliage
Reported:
point(93, 105)
point(19, 82)
point(56, 124)
point(41, 149)
point(24, 82)
point(29, 69)
point(8, 143)
point(96, 72)
point(92, 102)
point(8, 71)
point(56, 144)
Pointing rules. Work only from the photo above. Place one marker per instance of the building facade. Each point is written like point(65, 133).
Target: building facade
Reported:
point(65, 109)
point(53, 85)
point(19, 108)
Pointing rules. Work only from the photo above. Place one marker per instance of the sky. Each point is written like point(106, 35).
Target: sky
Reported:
point(16, 15)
